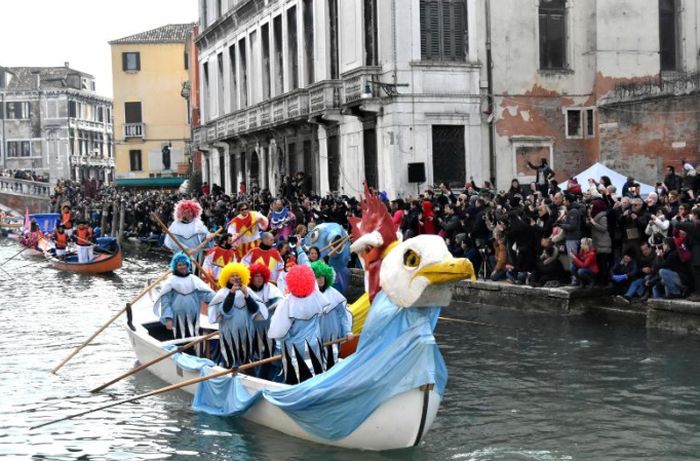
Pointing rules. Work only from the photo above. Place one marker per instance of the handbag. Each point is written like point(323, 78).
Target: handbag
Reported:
point(632, 233)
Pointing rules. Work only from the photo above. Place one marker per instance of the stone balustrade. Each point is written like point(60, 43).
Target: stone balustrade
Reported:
point(24, 188)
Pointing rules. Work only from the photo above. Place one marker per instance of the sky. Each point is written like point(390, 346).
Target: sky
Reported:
point(46, 33)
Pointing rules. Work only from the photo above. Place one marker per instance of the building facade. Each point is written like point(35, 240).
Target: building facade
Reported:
point(583, 81)
point(342, 90)
point(54, 124)
point(151, 114)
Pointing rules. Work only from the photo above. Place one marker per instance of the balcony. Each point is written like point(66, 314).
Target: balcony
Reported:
point(357, 84)
point(133, 130)
point(297, 104)
point(324, 98)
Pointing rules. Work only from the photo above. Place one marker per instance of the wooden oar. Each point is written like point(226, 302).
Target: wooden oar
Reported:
point(182, 247)
point(14, 256)
point(180, 385)
point(156, 360)
point(199, 247)
point(470, 322)
point(335, 242)
point(339, 247)
point(109, 322)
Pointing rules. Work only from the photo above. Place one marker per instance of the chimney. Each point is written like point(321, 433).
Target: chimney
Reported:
point(66, 64)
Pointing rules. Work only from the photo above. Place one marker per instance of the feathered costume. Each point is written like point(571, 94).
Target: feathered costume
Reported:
point(322, 236)
point(187, 227)
point(296, 325)
point(235, 313)
point(336, 321)
point(181, 297)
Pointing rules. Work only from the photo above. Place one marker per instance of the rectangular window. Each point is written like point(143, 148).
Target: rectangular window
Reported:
point(220, 83)
point(18, 110)
point(132, 112)
point(19, 149)
point(552, 15)
point(131, 61)
point(590, 123)
point(443, 26)
point(253, 78)
point(333, 38)
point(574, 126)
point(207, 94)
point(100, 114)
point(308, 19)
point(371, 50)
point(279, 60)
point(292, 50)
point(187, 60)
point(244, 73)
point(668, 34)
point(234, 78)
point(135, 160)
point(265, 44)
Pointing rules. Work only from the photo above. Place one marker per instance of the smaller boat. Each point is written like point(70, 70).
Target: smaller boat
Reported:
point(108, 258)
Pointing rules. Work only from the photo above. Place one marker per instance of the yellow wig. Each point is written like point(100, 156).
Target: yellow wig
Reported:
point(234, 269)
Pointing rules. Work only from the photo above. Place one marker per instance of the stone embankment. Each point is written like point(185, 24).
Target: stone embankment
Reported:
point(680, 316)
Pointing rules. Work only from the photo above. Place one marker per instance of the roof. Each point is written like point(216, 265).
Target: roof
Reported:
point(172, 33)
point(150, 182)
point(51, 77)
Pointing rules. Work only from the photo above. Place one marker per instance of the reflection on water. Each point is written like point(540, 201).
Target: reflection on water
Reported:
point(534, 388)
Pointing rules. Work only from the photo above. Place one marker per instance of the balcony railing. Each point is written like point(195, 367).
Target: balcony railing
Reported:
point(358, 83)
point(133, 130)
point(324, 96)
point(25, 188)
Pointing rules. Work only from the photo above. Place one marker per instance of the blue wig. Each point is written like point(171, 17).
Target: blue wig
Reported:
point(178, 258)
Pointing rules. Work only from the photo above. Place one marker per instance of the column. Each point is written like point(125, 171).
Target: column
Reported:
point(323, 180)
point(471, 31)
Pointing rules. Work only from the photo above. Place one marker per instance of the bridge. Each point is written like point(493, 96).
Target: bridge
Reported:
point(19, 194)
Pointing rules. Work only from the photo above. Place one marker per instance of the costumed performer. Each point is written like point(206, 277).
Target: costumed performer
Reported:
point(336, 321)
point(219, 256)
point(282, 222)
point(179, 302)
point(295, 324)
point(234, 308)
point(246, 228)
point(187, 226)
point(266, 254)
point(270, 295)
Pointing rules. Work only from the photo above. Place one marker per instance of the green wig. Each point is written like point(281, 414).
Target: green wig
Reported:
point(321, 269)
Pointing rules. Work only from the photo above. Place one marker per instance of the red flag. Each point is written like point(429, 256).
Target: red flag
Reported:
point(27, 224)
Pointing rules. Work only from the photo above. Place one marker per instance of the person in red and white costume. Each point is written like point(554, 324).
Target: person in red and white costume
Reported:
point(245, 229)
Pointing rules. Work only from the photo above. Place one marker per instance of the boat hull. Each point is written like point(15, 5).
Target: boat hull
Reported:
point(399, 422)
point(103, 263)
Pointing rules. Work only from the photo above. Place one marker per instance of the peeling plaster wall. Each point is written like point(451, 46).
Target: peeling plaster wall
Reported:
point(608, 42)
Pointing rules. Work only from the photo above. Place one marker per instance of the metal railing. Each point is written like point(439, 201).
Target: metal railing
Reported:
point(133, 130)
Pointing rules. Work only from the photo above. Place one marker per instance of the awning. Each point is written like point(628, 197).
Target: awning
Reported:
point(150, 182)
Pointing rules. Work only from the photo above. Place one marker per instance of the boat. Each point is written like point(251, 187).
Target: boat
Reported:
point(399, 422)
point(108, 258)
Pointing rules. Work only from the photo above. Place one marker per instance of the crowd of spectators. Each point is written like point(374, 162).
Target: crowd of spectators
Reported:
point(537, 234)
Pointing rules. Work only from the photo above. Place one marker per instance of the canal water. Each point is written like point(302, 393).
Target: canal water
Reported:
point(530, 387)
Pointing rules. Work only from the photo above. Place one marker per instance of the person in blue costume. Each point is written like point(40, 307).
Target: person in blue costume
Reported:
point(270, 295)
point(336, 321)
point(296, 326)
point(321, 237)
point(234, 307)
point(180, 298)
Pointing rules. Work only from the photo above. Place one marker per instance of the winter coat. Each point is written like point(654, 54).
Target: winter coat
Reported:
point(572, 224)
point(586, 260)
point(692, 229)
point(599, 233)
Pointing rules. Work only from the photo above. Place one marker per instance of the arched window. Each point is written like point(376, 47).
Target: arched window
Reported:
point(552, 34)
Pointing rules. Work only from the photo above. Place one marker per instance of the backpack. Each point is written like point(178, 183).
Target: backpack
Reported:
point(684, 254)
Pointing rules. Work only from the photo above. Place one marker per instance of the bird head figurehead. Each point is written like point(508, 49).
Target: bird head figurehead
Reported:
point(421, 272)
point(372, 236)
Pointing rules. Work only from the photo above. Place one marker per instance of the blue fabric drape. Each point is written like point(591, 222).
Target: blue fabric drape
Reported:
point(397, 352)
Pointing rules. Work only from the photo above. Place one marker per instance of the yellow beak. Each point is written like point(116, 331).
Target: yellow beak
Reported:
point(450, 270)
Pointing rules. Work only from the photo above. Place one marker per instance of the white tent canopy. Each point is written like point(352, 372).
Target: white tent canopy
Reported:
point(597, 170)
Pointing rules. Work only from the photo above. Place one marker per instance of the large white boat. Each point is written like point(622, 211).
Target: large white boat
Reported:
point(400, 422)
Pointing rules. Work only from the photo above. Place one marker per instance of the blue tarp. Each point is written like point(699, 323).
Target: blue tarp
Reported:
point(397, 352)
point(46, 221)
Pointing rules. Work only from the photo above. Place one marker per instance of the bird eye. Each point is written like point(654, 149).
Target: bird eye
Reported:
point(315, 234)
point(411, 259)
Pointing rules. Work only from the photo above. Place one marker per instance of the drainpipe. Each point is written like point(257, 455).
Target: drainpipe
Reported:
point(4, 141)
point(490, 97)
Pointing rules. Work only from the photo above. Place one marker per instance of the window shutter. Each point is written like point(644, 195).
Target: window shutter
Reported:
point(138, 61)
point(125, 65)
point(434, 31)
point(423, 29)
point(448, 32)
point(460, 30)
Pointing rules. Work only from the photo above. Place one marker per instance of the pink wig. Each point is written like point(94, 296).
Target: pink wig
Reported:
point(187, 210)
